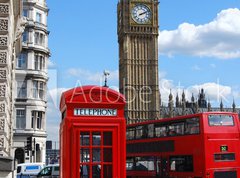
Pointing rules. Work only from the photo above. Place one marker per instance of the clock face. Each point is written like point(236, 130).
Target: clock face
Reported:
point(141, 14)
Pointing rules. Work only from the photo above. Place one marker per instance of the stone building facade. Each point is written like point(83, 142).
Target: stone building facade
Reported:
point(11, 27)
point(138, 58)
point(31, 85)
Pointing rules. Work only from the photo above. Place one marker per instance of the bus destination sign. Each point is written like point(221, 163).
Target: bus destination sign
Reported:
point(95, 112)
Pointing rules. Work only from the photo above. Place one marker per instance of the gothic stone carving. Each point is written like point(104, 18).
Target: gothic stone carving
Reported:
point(2, 107)
point(4, 9)
point(3, 25)
point(2, 90)
point(3, 74)
point(2, 123)
point(3, 57)
point(3, 40)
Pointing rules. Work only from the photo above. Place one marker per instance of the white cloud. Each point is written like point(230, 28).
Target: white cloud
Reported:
point(214, 92)
point(219, 38)
point(51, 64)
point(196, 68)
point(96, 77)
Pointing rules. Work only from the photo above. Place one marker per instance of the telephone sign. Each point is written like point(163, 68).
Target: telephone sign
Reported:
point(95, 112)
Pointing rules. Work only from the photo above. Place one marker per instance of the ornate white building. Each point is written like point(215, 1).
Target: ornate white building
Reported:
point(31, 85)
point(11, 26)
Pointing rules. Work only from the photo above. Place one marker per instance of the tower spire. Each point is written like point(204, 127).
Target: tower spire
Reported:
point(170, 104)
point(177, 101)
point(234, 106)
point(221, 106)
point(183, 103)
point(209, 106)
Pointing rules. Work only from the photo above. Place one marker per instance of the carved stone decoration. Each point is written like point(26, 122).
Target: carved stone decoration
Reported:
point(3, 41)
point(3, 25)
point(3, 57)
point(2, 90)
point(1, 142)
point(2, 107)
point(4, 9)
point(2, 123)
point(3, 74)
point(21, 23)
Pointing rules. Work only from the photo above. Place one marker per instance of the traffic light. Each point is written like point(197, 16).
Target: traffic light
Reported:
point(29, 143)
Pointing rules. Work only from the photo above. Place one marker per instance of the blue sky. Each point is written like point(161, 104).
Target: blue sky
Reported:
point(199, 47)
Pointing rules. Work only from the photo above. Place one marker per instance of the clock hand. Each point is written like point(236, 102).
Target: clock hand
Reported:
point(143, 13)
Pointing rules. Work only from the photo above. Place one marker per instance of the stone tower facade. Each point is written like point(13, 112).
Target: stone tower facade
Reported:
point(138, 58)
point(11, 27)
point(31, 84)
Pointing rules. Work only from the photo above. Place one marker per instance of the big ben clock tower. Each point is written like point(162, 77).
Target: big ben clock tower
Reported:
point(138, 58)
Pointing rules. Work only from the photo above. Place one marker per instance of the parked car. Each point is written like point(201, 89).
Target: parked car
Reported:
point(50, 171)
point(29, 170)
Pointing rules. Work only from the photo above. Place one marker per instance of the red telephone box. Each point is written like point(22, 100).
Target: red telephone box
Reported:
point(92, 133)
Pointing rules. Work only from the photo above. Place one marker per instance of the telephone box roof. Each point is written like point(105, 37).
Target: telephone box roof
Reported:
point(91, 94)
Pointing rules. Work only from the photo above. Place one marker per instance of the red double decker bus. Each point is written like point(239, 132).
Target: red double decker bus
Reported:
point(204, 145)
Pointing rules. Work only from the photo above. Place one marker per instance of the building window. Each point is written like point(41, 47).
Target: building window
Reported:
point(38, 17)
point(21, 89)
point(20, 119)
point(38, 90)
point(25, 12)
point(22, 61)
point(37, 119)
point(39, 62)
point(39, 38)
point(25, 37)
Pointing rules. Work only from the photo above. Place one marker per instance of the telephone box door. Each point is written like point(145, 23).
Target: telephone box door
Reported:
point(97, 152)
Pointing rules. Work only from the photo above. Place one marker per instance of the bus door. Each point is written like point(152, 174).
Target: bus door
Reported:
point(162, 167)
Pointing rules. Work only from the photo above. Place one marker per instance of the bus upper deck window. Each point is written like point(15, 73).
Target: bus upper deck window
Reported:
point(160, 131)
point(130, 133)
point(192, 126)
point(150, 130)
point(220, 120)
point(139, 132)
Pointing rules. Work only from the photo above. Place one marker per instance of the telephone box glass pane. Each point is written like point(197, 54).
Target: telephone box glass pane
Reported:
point(96, 155)
point(84, 155)
point(107, 154)
point(107, 137)
point(107, 171)
point(84, 171)
point(96, 171)
point(96, 139)
point(84, 139)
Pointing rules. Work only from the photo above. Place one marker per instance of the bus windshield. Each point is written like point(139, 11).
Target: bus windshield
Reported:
point(220, 120)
